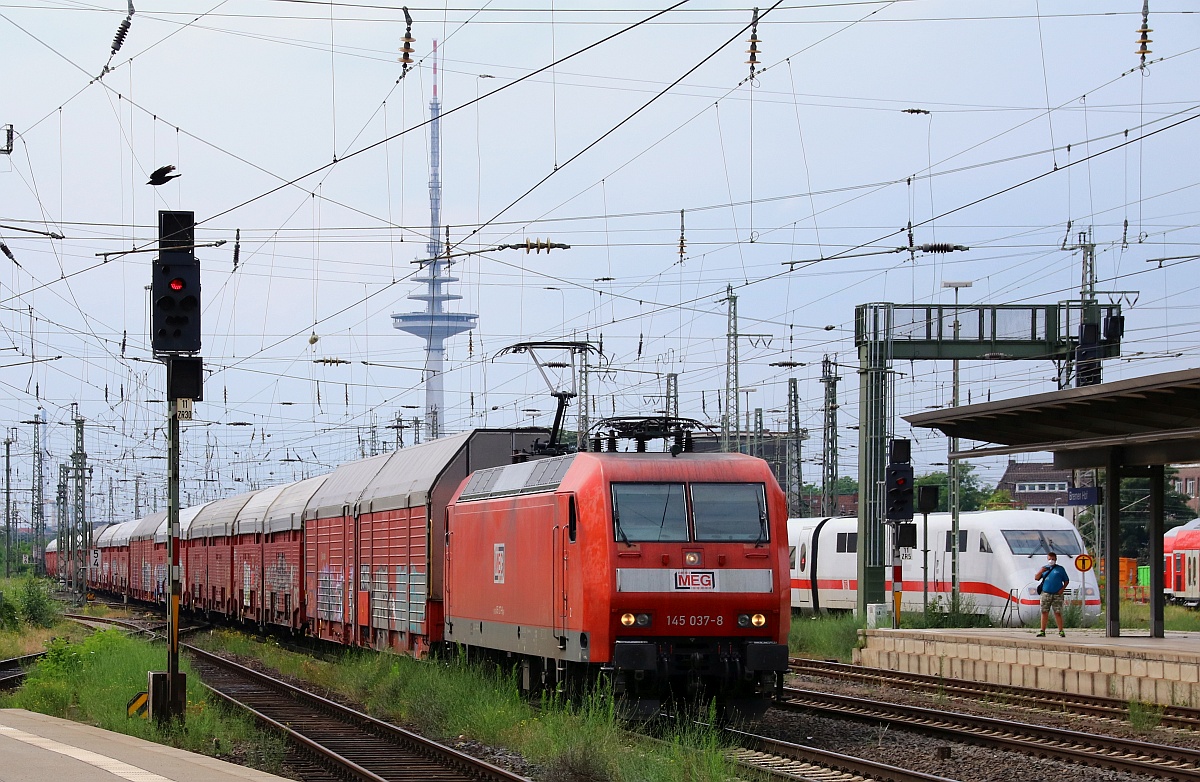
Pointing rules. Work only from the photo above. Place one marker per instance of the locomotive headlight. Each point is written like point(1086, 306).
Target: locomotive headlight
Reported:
point(743, 620)
point(628, 619)
point(692, 559)
point(758, 620)
point(643, 620)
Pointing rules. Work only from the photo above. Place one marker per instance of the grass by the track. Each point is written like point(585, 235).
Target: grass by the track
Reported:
point(835, 636)
point(456, 700)
point(92, 679)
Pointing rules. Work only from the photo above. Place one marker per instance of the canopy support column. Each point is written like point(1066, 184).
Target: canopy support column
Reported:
point(1157, 504)
point(1112, 544)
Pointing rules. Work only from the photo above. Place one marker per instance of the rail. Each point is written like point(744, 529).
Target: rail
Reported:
point(1135, 757)
point(1090, 705)
point(354, 743)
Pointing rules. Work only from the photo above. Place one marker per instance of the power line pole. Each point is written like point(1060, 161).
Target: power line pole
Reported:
point(829, 462)
point(729, 416)
point(672, 395)
point(952, 467)
point(81, 527)
point(583, 423)
point(39, 502)
point(794, 471)
point(65, 547)
point(8, 504)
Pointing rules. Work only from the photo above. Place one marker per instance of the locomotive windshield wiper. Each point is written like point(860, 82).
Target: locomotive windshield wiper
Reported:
point(620, 529)
point(762, 526)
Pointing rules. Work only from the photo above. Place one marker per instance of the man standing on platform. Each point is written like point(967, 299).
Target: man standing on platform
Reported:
point(1054, 580)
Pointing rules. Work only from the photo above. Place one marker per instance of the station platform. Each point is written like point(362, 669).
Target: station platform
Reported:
point(1154, 670)
point(39, 748)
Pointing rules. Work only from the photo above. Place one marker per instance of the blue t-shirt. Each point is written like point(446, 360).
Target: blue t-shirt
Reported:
point(1054, 580)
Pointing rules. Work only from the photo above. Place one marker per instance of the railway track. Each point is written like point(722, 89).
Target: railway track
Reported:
point(12, 670)
point(1090, 705)
point(1135, 757)
point(354, 744)
point(785, 760)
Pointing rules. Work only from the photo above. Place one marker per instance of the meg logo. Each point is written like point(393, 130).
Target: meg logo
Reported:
point(696, 580)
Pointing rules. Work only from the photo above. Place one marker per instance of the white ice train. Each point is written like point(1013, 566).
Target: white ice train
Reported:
point(1000, 553)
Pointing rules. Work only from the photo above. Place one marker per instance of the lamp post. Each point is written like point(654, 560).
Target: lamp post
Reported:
point(952, 466)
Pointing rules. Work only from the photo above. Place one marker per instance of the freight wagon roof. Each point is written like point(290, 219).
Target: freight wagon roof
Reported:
point(186, 517)
point(120, 533)
point(104, 538)
point(250, 517)
point(406, 479)
point(145, 527)
point(215, 519)
point(287, 512)
point(385, 482)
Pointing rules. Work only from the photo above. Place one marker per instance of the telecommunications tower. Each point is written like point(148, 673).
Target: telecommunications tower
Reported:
point(434, 324)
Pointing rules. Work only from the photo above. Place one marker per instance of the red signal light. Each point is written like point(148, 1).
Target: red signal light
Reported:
point(177, 284)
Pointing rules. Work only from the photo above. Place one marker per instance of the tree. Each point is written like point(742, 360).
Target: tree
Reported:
point(972, 492)
point(1135, 515)
point(846, 485)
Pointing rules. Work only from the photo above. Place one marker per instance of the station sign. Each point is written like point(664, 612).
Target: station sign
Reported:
point(1084, 495)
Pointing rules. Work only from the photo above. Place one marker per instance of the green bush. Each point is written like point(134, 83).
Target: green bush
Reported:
point(8, 614)
point(37, 606)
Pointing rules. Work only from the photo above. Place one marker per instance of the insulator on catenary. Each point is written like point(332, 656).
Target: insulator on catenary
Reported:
point(941, 247)
point(237, 247)
point(119, 38)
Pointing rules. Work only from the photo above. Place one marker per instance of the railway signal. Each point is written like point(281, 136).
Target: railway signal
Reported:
point(175, 286)
point(899, 482)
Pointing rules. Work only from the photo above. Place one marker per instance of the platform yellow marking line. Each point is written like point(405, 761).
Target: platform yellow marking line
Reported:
point(111, 765)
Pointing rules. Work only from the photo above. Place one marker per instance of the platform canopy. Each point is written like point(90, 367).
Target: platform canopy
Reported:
point(1131, 428)
point(1152, 420)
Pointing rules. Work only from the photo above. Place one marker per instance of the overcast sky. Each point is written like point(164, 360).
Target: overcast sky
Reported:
point(289, 121)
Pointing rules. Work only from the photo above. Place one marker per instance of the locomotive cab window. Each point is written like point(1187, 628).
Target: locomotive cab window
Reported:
point(649, 512)
point(729, 512)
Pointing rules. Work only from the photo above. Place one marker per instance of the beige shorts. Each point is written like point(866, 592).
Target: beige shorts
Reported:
point(1052, 601)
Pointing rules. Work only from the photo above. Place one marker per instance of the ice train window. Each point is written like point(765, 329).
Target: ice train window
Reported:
point(649, 512)
point(984, 546)
point(1032, 541)
point(962, 539)
point(792, 556)
point(730, 512)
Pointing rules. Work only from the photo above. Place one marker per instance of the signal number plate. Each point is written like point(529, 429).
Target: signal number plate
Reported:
point(694, 620)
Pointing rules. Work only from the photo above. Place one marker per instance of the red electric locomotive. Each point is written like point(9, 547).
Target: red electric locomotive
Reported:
point(669, 573)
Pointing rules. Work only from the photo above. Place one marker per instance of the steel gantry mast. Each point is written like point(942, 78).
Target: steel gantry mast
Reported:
point(829, 460)
point(81, 529)
point(38, 514)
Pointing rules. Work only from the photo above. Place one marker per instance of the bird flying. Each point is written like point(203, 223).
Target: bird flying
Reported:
point(162, 175)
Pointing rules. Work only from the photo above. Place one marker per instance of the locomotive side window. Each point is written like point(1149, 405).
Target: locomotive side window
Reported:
point(984, 546)
point(649, 512)
point(729, 512)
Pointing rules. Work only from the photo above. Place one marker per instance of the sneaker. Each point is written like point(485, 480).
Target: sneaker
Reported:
point(1042, 634)
point(1061, 634)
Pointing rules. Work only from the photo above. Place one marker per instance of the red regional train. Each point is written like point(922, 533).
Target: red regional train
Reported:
point(669, 574)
